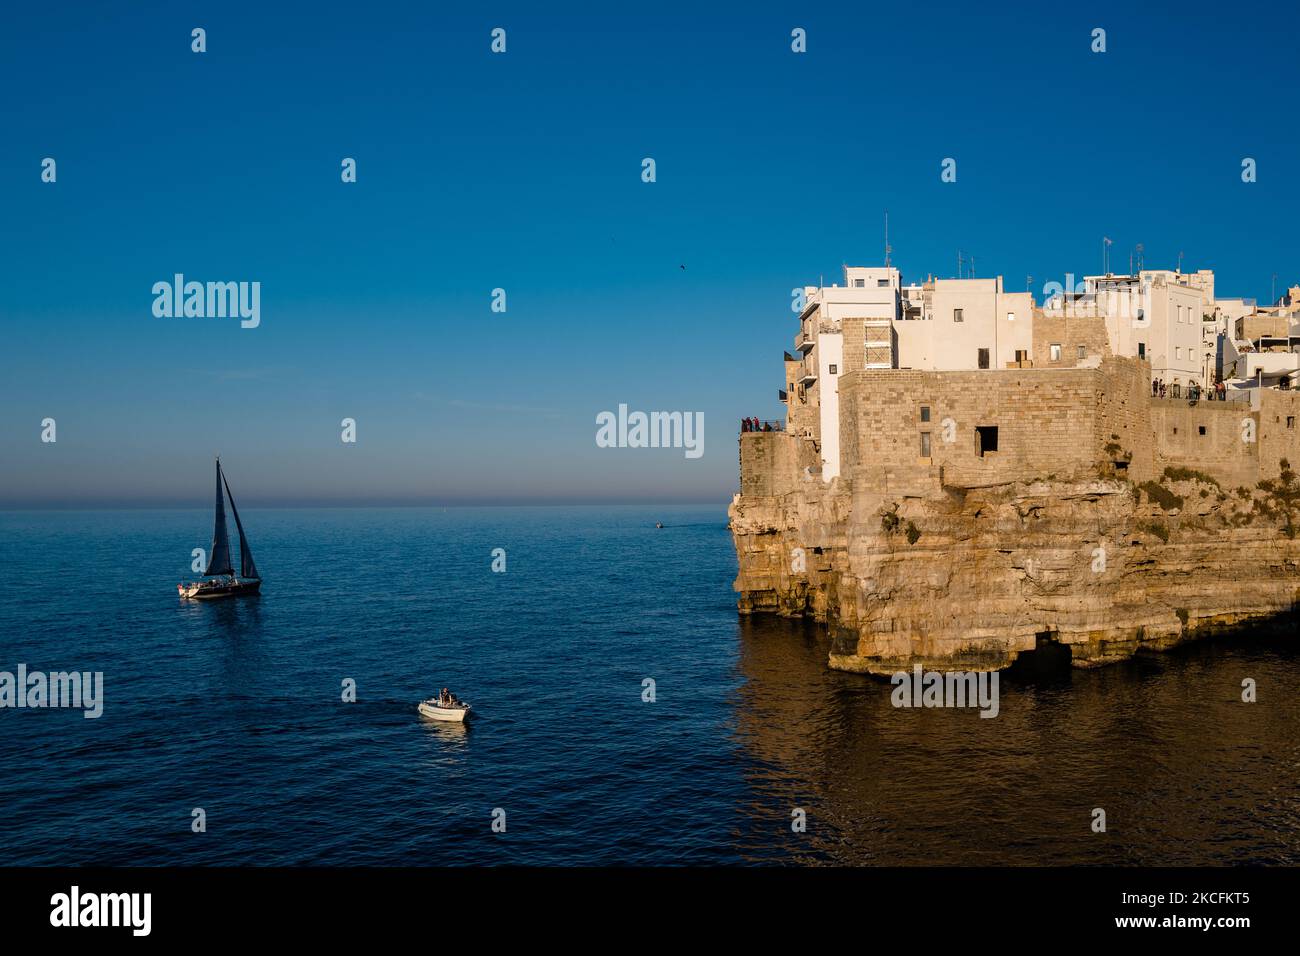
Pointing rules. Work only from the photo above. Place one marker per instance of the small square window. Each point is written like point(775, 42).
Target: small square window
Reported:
point(986, 439)
point(1011, 317)
point(1083, 351)
point(1290, 421)
point(882, 283)
point(833, 369)
point(859, 283)
point(1055, 352)
point(925, 413)
point(1200, 429)
point(956, 315)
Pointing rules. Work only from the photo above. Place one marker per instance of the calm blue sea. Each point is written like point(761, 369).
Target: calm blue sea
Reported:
point(235, 707)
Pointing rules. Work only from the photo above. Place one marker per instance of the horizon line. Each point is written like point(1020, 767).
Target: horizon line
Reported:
point(321, 505)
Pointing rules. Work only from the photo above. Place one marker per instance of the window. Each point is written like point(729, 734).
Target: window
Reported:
point(956, 315)
point(925, 444)
point(1290, 421)
point(1142, 350)
point(1011, 317)
point(925, 413)
point(984, 358)
point(1200, 429)
point(882, 283)
point(1083, 351)
point(1178, 352)
point(986, 439)
point(1055, 352)
point(1021, 356)
point(859, 283)
point(833, 369)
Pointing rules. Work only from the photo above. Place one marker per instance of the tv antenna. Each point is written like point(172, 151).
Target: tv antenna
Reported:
point(888, 247)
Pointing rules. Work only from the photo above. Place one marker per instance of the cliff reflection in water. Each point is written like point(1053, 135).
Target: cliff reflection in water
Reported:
point(1186, 772)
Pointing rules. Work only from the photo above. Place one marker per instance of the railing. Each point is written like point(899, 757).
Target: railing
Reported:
point(1204, 395)
point(760, 425)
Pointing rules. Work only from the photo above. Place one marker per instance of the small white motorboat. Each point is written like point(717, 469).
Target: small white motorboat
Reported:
point(444, 708)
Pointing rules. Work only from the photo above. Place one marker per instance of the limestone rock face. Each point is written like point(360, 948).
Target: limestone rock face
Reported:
point(971, 578)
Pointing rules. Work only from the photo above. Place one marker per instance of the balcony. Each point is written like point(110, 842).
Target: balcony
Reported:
point(808, 375)
point(804, 341)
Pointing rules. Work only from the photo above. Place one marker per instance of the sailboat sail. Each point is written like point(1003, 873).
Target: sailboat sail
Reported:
point(219, 556)
point(246, 567)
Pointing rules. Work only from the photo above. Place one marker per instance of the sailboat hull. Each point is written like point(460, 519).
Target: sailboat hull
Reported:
point(210, 590)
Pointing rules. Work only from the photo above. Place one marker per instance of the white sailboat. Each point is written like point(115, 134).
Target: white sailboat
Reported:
point(222, 580)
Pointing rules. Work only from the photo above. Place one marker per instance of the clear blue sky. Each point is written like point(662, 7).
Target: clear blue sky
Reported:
point(522, 171)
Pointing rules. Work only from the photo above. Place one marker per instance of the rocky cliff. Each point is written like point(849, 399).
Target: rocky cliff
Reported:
point(969, 578)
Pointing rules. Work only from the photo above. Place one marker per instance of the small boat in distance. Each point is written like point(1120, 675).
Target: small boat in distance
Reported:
point(223, 582)
point(446, 706)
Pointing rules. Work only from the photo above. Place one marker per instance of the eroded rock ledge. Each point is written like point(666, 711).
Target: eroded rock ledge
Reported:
point(970, 578)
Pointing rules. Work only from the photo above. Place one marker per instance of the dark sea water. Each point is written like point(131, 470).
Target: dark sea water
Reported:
point(235, 707)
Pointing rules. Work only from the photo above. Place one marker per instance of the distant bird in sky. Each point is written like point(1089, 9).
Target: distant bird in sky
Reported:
point(683, 267)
